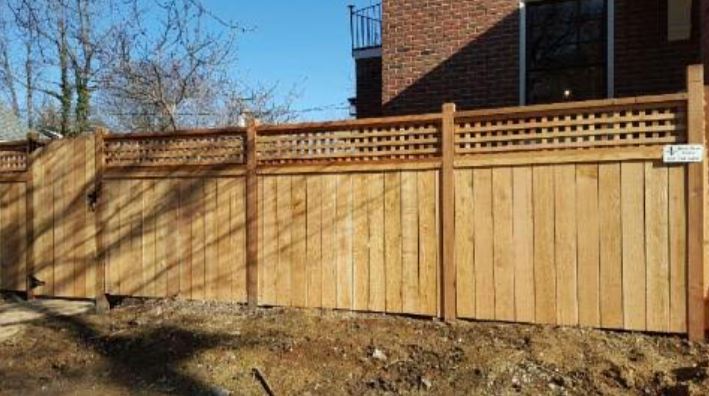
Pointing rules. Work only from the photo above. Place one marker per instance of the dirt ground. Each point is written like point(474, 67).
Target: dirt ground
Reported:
point(173, 347)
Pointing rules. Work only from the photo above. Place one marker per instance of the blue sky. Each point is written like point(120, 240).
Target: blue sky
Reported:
point(301, 43)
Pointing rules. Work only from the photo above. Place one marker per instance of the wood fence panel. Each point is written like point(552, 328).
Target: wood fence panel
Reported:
point(582, 238)
point(201, 255)
point(361, 229)
point(13, 246)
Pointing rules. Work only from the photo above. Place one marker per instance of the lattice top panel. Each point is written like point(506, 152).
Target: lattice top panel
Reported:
point(632, 125)
point(411, 141)
point(175, 150)
point(13, 158)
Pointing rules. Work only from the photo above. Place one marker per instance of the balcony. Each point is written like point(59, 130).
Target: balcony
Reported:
point(366, 31)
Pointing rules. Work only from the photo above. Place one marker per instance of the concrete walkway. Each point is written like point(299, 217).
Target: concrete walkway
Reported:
point(15, 314)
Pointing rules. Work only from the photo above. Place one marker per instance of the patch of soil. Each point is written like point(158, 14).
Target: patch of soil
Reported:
point(177, 347)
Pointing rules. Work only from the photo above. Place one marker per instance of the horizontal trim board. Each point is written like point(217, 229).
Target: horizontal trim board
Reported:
point(560, 157)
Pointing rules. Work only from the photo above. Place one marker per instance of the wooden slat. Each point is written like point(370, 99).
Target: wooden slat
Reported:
point(270, 239)
point(523, 239)
point(298, 242)
point(410, 242)
point(587, 218)
point(428, 243)
point(657, 246)
point(566, 245)
point(544, 264)
point(238, 245)
point(483, 246)
point(344, 242)
point(611, 260)
point(184, 233)
point(360, 241)
point(377, 271)
point(43, 223)
point(329, 241)
point(211, 251)
point(62, 272)
point(148, 234)
point(227, 265)
point(284, 214)
point(678, 248)
point(314, 241)
point(393, 241)
point(198, 239)
point(504, 269)
point(633, 247)
point(464, 244)
point(172, 240)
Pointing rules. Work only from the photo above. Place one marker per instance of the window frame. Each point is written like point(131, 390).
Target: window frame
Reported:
point(610, 49)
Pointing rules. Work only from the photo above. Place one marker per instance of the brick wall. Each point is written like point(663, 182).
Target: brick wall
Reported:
point(369, 87)
point(438, 51)
point(466, 51)
point(646, 63)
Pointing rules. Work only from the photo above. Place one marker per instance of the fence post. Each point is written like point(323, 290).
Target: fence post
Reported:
point(252, 214)
point(447, 193)
point(102, 304)
point(696, 173)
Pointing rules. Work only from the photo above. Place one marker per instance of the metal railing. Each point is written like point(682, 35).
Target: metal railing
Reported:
point(366, 27)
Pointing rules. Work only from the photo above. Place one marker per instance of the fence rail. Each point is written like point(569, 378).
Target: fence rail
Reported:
point(562, 214)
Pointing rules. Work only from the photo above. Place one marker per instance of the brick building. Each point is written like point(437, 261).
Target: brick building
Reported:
point(413, 55)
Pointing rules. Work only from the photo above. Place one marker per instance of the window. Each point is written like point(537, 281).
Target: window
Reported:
point(566, 50)
point(679, 20)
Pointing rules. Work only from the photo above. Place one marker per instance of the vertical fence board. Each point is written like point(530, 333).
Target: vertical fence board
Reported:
point(428, 243)
point(211, 256)
point(314, 242)
point(633, 247)
point(329, 241)
point(678, 248)
point(464, 240)
point(393, 241)
point(502, 230)
point(238, 234)
point(483, 246)
point(657, 245)
point(611, 258)
point(270, 239)
point(227, 265)
point(587, 216)
point(284, 211)
point(544, 264)
point(360, 241)
point(410, 242)
point(523, 239)
point(299, 248)
point(344, 241)
point(566, 245)
point(377, 272)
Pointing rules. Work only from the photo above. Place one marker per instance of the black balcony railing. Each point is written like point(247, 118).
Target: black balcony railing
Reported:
point(366, 27)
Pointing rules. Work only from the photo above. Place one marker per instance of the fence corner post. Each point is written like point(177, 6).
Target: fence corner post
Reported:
point(696, 222)
point(252, 215)
point(447, 196)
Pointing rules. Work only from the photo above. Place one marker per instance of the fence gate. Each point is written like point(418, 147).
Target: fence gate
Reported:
point(172, 216)
point(62, 174)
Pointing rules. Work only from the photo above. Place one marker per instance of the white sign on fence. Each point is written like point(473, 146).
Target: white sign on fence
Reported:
point(683, 153)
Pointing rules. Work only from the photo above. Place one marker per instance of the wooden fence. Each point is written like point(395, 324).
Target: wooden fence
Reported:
point(563, 214)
